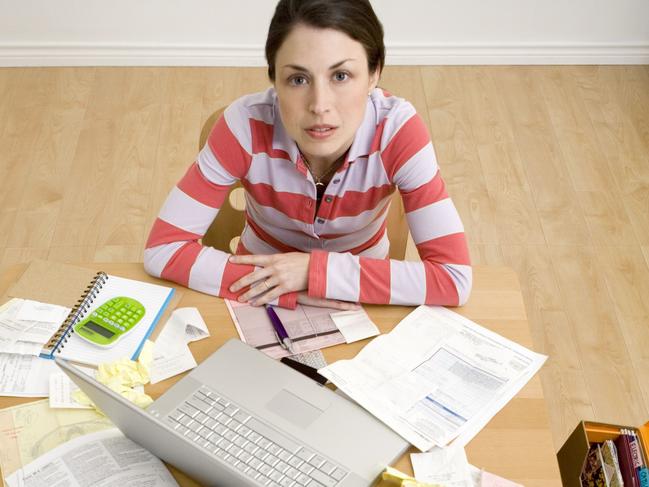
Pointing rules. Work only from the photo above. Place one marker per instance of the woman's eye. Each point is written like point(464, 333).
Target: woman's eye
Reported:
point(297, 80)
point(341, 76)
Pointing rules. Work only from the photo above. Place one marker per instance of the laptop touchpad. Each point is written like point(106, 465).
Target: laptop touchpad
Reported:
point(294, 409)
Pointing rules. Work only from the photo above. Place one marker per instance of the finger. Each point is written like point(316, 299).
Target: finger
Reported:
point(268, 297)
point(250, 279)
point(328, 303)
point(257, 290)
point(254, 259)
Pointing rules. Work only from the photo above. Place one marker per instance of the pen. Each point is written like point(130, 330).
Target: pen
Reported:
point(280, 332)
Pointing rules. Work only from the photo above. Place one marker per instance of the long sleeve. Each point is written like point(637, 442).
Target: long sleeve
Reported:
point(173, 250)
point(444, 275)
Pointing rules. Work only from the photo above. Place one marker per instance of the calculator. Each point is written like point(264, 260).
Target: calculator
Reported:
point(110, 321)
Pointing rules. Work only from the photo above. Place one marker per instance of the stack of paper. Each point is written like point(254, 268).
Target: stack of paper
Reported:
point(437, 377)
point(25, 327)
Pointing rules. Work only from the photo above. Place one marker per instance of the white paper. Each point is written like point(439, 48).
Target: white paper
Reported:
point(44, 312)
point(171, 355)
point(447, 466)
point(355, 325)
point(24, 375)
point(61, 389)
point(26, 336)
point(436, 377)
point(102, 459)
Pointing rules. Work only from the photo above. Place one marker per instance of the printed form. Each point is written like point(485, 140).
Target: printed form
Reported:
point(436, 377)
point(102, 459)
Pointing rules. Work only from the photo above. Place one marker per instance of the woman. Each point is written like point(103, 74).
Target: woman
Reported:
point(319, 155)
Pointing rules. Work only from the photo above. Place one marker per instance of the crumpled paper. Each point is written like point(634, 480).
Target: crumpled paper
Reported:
point(125, 377)
point(397, 478)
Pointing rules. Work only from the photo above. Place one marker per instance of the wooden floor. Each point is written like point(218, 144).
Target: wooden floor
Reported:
point(548, 166)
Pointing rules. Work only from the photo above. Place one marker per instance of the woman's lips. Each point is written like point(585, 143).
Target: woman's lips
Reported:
point(320, 131)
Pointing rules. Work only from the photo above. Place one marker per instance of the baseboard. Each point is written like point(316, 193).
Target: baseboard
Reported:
point(52, 54)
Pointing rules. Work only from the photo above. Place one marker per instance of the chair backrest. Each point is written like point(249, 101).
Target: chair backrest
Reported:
point(223, 233)
point(225, 230)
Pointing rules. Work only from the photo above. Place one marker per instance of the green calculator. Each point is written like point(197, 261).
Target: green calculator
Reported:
point(110, 321)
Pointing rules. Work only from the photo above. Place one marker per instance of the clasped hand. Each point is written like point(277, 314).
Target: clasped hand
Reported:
point(278, 274)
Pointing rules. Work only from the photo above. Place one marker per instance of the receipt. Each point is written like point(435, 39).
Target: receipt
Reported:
point(171, 355)
point(354, 325)
point(447, 466)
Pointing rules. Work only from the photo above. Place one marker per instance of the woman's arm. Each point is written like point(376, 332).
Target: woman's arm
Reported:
point(173, 250)
point(444, 275)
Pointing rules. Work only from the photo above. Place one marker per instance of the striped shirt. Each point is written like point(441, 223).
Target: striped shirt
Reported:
point(346, 238)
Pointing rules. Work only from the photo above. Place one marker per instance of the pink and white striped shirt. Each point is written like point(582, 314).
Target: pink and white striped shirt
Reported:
point(347, 236)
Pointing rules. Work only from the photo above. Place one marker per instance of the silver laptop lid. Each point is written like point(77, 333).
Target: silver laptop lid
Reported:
point(289, 405)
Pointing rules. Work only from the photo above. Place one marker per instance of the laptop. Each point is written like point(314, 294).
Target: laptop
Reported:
point(243, 419)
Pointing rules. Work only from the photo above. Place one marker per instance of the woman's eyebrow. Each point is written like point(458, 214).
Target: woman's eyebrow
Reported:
point(297, 67)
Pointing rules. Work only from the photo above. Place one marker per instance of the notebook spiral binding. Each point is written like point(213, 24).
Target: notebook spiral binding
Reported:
point(60, 338)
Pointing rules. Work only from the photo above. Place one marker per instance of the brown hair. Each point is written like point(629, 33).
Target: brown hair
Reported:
point(356, 18)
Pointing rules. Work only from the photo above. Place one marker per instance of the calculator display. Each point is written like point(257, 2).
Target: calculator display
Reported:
point(99, 329)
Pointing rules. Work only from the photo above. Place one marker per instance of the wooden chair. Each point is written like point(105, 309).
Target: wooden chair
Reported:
point(224, 232)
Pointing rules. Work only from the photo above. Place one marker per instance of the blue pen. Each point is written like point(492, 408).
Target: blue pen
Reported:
point(280, 332)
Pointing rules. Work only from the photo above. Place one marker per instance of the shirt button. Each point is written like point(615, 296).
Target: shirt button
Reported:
point(336, 181)
point(328, 199)
point(320, 220)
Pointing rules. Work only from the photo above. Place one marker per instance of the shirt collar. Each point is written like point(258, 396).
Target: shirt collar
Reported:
point(362, 144)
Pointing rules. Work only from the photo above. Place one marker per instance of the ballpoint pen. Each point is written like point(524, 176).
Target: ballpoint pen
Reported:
point(280, 332)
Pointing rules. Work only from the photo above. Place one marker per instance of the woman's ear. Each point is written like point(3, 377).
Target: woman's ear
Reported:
point(374, 80)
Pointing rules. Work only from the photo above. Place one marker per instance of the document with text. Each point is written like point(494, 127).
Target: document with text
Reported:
point(102, 459)
point(436, 377)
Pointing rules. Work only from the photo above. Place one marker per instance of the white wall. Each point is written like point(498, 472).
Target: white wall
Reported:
point(216, 32)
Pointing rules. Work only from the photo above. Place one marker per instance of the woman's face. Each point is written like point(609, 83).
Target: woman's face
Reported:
point(322, 82)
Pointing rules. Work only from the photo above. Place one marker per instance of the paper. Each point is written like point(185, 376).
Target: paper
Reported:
point(355, 325)
point(394, 477)
point(43, 312)
point(25, 375)
point(19, 334)
point(447, 466)
point(30, 430)
point(437, 377)
point(310, 328)
point(62, 389)
point(125, 377)
point(171, 355)
point(102, 459)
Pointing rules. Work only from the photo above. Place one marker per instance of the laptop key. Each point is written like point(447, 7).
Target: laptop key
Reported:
point(316, 461)
point(328, 467)
point(241, 416)
point(338, 474)
point(305, 454)
point(303, 479)
point(323, 478)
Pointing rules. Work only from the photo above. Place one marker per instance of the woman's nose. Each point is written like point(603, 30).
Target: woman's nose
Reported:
point(320, 101)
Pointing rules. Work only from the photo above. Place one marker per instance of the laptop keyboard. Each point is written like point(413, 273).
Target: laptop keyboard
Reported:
point(231, 434)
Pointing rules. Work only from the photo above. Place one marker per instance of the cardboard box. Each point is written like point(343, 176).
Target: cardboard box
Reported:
point(572, 455)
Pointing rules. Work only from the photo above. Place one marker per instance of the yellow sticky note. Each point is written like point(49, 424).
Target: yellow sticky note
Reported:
point(122, 376)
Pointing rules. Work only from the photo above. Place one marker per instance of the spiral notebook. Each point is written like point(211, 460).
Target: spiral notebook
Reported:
point(65, 285)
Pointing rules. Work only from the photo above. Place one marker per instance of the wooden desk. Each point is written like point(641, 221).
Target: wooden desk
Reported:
point(516, 443)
